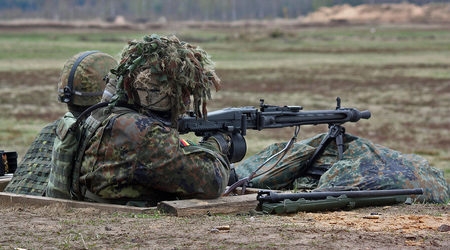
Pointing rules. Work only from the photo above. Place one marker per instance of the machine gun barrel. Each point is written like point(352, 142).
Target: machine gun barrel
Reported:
point(314, 117)
point(270, 196)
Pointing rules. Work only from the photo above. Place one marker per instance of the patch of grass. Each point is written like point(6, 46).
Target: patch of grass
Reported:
point(18, 135)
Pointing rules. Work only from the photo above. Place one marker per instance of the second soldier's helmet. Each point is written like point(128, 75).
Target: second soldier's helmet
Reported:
point(82, 79)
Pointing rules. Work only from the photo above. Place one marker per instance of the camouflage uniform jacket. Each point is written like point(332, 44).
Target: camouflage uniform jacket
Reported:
point(132, 157)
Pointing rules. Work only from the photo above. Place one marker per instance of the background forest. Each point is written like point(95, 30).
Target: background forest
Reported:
point(173, 10)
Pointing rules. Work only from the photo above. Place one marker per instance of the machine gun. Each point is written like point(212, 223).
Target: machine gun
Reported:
point(279, 203)
point(236, 121)
point(271, 196)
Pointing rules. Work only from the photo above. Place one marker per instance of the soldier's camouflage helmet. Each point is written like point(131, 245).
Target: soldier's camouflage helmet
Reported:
point(82, 78)
point(160, 73)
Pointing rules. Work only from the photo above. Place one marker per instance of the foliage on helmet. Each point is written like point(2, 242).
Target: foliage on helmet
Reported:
point(87, 78)
point(178, 69)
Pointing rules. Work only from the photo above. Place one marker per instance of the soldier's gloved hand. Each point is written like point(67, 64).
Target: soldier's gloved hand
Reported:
point(221, 141)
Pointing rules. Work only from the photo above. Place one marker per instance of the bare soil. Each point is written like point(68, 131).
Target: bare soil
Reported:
point(416, 226)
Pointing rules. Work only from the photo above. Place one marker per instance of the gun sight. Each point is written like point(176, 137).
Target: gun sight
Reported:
point(271, 108)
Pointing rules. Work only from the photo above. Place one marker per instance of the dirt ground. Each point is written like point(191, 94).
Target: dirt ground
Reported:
point(416, 226)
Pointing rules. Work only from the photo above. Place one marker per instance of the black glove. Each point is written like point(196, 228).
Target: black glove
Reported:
point(222, 140)
point(233, 146)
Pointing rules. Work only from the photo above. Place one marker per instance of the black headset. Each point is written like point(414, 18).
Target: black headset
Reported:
point(66, 97)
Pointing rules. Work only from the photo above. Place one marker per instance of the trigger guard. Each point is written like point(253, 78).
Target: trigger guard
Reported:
point(238, 148)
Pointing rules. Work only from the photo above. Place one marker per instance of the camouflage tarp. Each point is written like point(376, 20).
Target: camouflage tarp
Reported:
point(283, 174)
point(365, 166)
point(31, 175)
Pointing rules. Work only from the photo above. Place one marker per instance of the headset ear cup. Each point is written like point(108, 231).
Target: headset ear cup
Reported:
point(66, 97)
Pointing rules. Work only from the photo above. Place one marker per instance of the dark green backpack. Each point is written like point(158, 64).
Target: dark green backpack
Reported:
point(69, 144)
point(64, 148)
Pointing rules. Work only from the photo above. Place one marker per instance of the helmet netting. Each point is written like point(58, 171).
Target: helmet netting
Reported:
point(178, 68)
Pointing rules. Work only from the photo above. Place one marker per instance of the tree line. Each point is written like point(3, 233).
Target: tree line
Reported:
point(173, 10)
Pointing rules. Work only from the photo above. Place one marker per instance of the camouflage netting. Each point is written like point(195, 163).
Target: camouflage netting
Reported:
point(173, 68)
point(365, 166)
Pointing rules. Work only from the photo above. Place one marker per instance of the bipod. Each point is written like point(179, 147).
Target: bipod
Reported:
point(335, 132)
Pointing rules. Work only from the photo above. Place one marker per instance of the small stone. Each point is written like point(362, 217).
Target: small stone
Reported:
point(408, 201)
point(444, 228)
